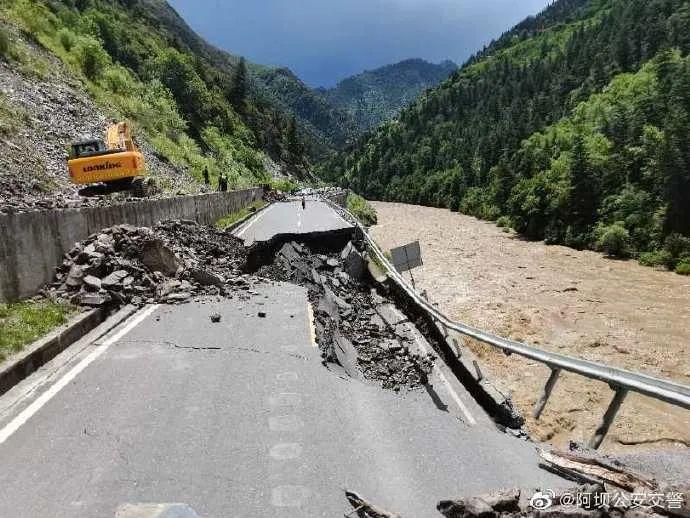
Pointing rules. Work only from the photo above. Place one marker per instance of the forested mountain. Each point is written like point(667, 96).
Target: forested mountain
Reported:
point(322, 127)
point(573, 127)
point(335, 117)
point(196, 105)
point(376, 96)
point(324, 122)
point(327, 126)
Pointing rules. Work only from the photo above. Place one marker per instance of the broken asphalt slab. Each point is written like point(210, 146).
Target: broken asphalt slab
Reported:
point(288, 218)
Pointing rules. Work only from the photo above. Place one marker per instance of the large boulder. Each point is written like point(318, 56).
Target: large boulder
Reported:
point(159, 258)
point(354, 263)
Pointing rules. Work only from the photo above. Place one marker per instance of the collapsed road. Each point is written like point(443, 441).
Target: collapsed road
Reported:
point(284, 378)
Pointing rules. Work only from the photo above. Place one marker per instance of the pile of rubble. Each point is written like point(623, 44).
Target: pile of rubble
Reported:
point(178, 260)
point(608, 488)
point(593, 500)
point(584, 501)
point(350, 328)
point(137, 265)
point(273, 195)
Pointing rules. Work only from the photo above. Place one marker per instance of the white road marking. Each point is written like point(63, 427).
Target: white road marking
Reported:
point(299, 220)
point(287, 376)
point(463, 408)
point(34, 407)
point(253, 221)
point(290, 496)
point(286, 451)
point(312, 327)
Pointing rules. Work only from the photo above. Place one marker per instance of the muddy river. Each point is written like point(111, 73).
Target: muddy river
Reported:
point(577, 303)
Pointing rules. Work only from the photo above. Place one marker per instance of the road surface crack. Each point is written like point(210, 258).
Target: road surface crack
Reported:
point(215, 348)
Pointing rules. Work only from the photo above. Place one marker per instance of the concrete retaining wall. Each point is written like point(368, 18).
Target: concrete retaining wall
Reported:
point(32, 244)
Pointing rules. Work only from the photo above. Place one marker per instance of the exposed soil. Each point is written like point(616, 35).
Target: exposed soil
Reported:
point(40, 115)
point(577, 303)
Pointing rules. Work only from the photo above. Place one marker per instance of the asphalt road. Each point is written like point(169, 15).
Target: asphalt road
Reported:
point(290, 218)
point(235, 419)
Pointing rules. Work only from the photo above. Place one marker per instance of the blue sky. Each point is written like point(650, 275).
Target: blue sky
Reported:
point(324, 41)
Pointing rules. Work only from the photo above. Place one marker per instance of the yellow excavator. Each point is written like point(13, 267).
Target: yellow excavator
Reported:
point(116, 161)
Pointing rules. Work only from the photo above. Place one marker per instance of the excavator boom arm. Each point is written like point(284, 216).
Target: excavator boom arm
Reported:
point(119, 136)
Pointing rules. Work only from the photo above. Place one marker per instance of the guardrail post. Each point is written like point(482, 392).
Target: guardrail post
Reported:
point(550, 383)
point(608, 418)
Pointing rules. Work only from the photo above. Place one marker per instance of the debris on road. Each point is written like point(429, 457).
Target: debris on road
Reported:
point(586, 466)
point(365, 509)
point(607, 488)
point(505, 502)
point(349, 327)
point(136, 265)
point(215, 318)
point(178, 260)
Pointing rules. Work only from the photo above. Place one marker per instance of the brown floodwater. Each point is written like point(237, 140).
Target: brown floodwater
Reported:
point(575, 302)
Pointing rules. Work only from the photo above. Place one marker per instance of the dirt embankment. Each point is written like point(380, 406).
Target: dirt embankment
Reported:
point(42, 110)
point(577, 303)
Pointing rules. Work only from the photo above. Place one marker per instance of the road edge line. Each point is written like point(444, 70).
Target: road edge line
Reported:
point(38, 353)
point(230, 229)
point(312, 326)
point(251, 221)
point(8, 430)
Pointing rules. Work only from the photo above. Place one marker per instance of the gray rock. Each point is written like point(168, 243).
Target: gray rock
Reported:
point(476, 506)
point(93, 299)
point(206, 278)
point(355, 264)
point(159, 258)
point(465, 508)
point(75, 278)
point(92, 283)
point(115, 279)
point(290, 252)
point(168, 287)
point(504, 500)
point(178, 297)
point(347, 250)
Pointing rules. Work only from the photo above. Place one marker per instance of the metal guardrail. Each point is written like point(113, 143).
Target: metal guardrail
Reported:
point(621, 381)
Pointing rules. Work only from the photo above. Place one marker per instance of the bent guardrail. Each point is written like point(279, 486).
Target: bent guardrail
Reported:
point(621, 381)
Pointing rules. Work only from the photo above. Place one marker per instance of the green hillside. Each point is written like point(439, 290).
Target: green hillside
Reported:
point(196, 105)
point(328, 127)
point(572, 128)
point(322, 126)
point(376, 96)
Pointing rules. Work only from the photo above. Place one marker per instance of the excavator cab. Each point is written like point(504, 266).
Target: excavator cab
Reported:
point(117, 159)
point(87, 148)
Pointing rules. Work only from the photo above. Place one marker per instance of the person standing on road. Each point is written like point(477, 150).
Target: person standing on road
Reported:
point(304, 203)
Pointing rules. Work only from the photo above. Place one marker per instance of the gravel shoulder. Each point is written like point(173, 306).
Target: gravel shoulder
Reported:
point(573, 302)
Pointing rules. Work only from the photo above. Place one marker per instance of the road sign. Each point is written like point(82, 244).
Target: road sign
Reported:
point(407, 257)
